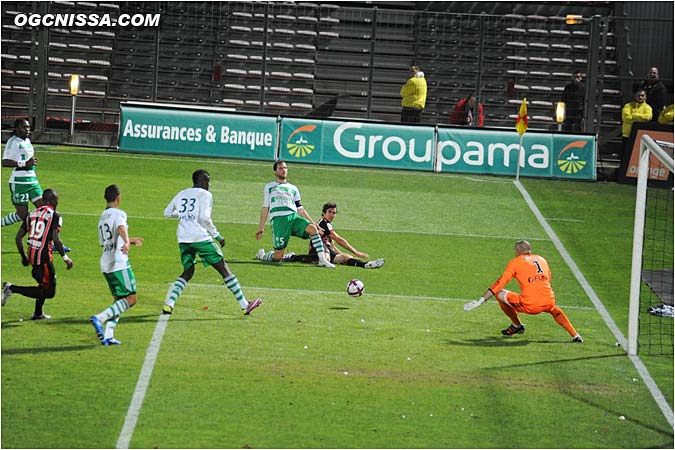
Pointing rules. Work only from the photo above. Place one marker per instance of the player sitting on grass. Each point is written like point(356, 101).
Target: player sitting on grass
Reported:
point(281, 203)
point(537, 296)
point(329, 235)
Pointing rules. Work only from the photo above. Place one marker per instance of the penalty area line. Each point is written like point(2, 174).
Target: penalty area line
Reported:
point(134, 411)
point(412, 297)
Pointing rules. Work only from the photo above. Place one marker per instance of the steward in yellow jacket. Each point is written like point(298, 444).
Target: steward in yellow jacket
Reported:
point(635, 111)
point(414, 96)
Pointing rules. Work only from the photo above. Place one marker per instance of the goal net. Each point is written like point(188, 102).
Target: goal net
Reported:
point(650, 319)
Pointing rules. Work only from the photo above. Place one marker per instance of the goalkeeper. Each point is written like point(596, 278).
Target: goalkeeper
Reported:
point(537, 296)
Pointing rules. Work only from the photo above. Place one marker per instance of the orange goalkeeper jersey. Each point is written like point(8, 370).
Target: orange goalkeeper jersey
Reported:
point(533, 276)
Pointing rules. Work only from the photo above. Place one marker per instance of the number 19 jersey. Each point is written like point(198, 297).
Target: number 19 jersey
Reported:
point(109, 237)
point(192, 207)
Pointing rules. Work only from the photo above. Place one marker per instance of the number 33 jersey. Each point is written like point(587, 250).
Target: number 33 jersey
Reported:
point(109, 237)
point(192, 207)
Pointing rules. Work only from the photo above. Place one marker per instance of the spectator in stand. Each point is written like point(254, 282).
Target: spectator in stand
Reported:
point(635, 111)
point(657, 94)
point(414, 96)
point(666, 116)
point(467, 113)
point(573, 96)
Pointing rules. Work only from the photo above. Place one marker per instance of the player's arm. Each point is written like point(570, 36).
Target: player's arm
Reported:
point(342, 242)
point(171, 210)
point(206, 221)
point(502, 281)
point(264, 212)
point(19, 164)
point(122, 230)
point(23, 230)
point(58, 245)
point(644, 113)
point(303, 212)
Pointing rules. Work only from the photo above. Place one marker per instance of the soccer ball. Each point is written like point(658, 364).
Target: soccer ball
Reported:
point(355, 288)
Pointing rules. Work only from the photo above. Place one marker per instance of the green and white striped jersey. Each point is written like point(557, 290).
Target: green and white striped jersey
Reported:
point(18, 149)
point(281, 199)
point(109, 237)
point(192, 207)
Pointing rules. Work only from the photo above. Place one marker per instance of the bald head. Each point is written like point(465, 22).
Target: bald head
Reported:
point(522, 247)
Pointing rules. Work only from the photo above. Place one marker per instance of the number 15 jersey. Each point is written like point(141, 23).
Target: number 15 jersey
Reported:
point(192, 207)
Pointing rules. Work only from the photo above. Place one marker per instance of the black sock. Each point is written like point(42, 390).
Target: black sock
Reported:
point(308, 259)
point(355, 262)
point(39, 302)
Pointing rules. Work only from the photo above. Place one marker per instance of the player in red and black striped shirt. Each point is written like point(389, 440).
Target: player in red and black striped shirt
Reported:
point(43, 227)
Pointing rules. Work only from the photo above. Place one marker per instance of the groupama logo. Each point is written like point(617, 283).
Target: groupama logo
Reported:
point(300, 147)
point(568, 161)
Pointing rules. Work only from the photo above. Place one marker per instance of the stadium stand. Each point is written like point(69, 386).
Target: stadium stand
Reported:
point(290, 57)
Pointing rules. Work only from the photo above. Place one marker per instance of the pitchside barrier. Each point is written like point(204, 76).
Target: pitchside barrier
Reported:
point(151, 128)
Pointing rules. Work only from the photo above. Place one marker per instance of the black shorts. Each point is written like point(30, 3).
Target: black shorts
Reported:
point(332, 252)
point(45, 275)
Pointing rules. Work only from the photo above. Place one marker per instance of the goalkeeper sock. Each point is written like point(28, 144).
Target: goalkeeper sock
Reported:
point(10, 219)
point(174, 292)
point(562, 320)
point(233, 285)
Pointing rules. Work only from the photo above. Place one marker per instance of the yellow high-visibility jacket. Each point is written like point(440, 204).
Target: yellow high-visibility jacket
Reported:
point(634, 112)
point(414, 93)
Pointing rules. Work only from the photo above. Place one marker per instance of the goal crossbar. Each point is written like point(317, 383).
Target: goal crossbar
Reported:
point(648, 147)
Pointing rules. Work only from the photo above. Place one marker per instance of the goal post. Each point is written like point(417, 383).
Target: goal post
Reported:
point(648, 148)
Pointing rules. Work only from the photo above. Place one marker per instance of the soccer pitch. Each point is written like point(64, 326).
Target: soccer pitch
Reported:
point(401, 367)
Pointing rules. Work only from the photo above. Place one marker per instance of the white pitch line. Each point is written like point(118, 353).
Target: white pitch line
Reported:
point(413, 297)
point(370, 230)
point(637, 362)
point(131, 418)
point(556, 219)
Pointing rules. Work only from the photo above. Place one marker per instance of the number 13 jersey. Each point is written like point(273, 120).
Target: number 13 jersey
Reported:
point(109, 237)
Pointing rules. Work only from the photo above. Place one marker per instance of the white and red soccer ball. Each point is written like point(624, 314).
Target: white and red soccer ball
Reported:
point(355, 288)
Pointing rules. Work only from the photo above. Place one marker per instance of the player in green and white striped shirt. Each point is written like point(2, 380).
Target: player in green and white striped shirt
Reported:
point(281, 203)
point(196, 232)
point(113, 235)
point(23, 183)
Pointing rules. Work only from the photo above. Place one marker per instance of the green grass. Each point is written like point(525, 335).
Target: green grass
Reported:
point(401, 367)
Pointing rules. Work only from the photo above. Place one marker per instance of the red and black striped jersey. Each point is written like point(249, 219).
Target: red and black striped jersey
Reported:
point(41, 224)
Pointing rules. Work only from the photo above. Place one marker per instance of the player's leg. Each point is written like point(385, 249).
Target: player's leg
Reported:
point(20, 202)
point(311, 258)
point(509, 302)
point(109, 333)
point(560, 317)
point(46, 279)
point(281, 235)
point(188, 260)
point(347, 260)
point(232, 283)
point(122, 285)
point(304, 228)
